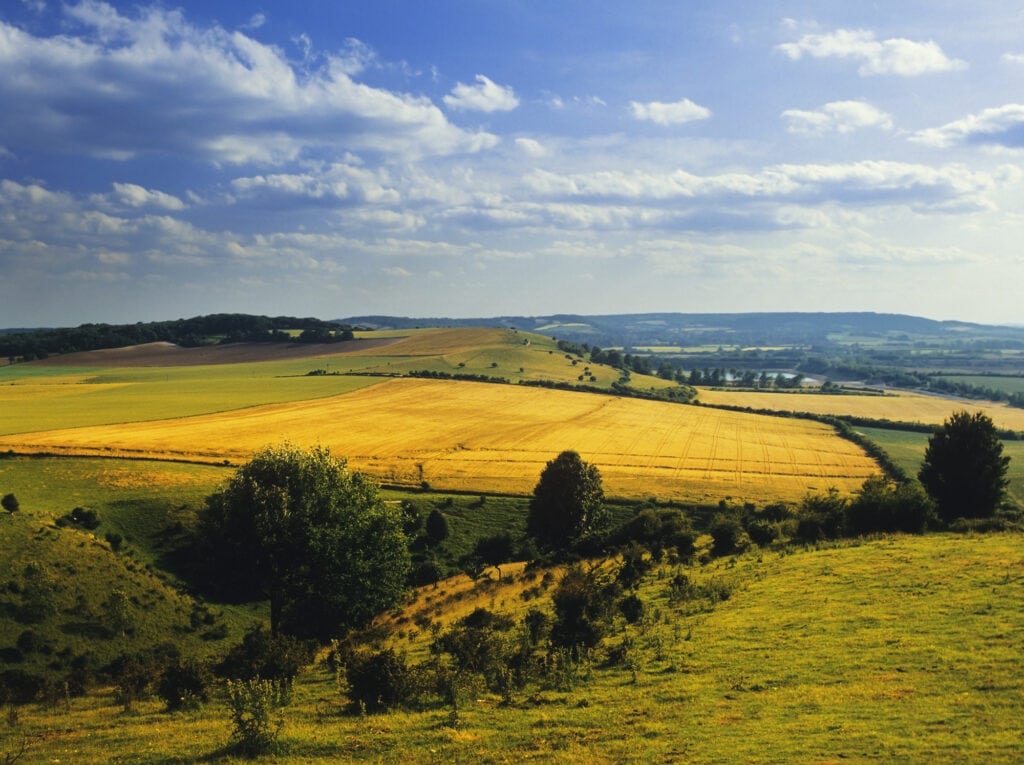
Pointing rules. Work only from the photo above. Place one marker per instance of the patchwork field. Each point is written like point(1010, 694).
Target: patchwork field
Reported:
point(899, 406)
point(497, 438)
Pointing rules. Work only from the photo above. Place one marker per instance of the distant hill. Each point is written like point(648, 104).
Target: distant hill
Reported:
point(747, 329)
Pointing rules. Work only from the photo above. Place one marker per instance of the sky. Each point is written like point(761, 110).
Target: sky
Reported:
point(470, 158)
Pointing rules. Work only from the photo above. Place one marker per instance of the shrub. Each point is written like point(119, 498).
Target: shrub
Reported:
point(882, 506)
point(10, 503)
point(582, 606)
point(632, 608)
point(254, 706)
point(821, 516)
point(379, 681)
point(267, 657)
point(728, 535)
point(184, 685)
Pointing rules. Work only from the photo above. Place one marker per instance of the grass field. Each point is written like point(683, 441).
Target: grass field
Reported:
point(902, 649)
point(1005, 384)
point(497, 438)
point(898, 406)
point(907, 449)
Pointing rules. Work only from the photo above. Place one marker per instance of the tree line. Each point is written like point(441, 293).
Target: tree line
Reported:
point(199, 330)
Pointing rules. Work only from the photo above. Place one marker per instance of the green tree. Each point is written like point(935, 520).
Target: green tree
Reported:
point(567, 503)
point(964, 470)
point(300, 529)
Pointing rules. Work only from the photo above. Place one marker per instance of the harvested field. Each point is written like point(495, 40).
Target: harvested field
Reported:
point(171, 355)
point(900, 406)
point(497, 438)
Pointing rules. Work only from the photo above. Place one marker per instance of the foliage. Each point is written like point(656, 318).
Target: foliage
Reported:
point(583, 604)
point(659, 529)
point(728, 535)
point(379, 680)
point(10, 503)
point(264, 655)
point(314, 538)
point(821, 516)
point(83, 518)
point(255, 714)
point(436, 527)
point(184, 685)
point(964, 470)
point(884, 506)
point(567, 504)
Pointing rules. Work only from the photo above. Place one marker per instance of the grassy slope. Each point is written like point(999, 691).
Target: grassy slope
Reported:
point(903, 649)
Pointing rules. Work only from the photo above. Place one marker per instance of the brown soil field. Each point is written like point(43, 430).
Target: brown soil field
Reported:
point(171, 355)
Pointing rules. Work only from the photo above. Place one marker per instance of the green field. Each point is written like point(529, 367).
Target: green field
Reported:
point(907, 449)
point(904, 649)
point(1007, 385)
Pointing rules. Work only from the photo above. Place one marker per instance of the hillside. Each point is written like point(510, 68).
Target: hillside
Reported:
point(903, 649)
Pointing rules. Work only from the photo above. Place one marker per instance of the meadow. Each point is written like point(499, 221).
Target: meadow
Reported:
point(903, 649)
point(497, 438)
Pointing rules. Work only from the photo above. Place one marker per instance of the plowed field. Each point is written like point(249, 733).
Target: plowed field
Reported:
point(497, 438)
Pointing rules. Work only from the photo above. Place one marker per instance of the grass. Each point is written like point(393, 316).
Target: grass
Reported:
point(898, 407)
point(907, 449)
point(902, 649)
point(1005, 384)
point(497, 438)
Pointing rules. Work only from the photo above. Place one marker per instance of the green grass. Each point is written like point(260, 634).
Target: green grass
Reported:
point(1004, 384)
point(907, 449)
point(902, 649)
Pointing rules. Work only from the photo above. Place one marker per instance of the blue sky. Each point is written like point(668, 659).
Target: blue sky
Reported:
point(458, 158)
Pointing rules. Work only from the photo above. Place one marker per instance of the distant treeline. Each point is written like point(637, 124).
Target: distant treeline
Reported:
point(200, 330)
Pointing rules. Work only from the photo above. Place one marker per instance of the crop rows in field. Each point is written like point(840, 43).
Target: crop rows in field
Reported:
point(497, 438)
point(898, 406)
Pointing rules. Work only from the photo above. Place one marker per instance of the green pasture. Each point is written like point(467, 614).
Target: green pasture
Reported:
point(903, 649)
point(907, 449)
point(1005, 384)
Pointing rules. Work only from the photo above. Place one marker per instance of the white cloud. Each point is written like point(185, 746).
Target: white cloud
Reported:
point(897, 55)
point(133, 195)
point(530, 147)
point(675, 113)
point(837, 117)
point(1001, 126)
point(485, 96)
point(1013, 58)
point(153, 82)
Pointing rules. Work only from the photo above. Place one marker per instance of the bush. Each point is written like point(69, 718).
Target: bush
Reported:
point(632, 608)
point(821, 516)
point(882, 506)
point(264, 656)
point(582, 608)
point(254, 705)
point(728, 535)
point(184, 685)
point(82, 518)
point(379, 681)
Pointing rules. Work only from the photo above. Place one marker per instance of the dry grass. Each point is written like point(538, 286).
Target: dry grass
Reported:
point(497, 438)
point(899, 406)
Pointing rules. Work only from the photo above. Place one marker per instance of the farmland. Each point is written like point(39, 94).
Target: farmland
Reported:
point(899, 406)
point(497, 438)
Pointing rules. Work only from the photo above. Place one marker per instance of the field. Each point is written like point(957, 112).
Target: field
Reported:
point(497, 438)
point(903, 649)
point(1007, 385)
point(907, 449)
point(897, 406)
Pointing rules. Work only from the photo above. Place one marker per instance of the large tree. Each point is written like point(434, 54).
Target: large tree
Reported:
point(297, 527)
point(964, 470)
point(567, 503)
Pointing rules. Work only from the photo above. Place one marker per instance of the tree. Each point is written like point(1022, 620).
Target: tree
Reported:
point(436, 527)
point(964, 470)
point(10, 503)
point(297, 527)
point(567, 504)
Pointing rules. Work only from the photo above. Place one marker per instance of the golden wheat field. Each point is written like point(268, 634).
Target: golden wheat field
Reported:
point(901, 406)
point(497, 438)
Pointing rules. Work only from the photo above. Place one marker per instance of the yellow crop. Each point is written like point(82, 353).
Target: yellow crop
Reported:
point(497, 438)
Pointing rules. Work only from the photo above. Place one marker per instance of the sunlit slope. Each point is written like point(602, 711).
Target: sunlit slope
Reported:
point(900, 406)
point(37, 397)
point(497, 438)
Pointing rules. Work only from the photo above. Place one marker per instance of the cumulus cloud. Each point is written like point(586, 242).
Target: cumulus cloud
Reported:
point(118, 86)
point(897, 55)
point(133, 195)
point(999, 126)
point(530, 147)
point(675, 113)
point(836, 117)
point(1013, 58)
point(485, 96)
